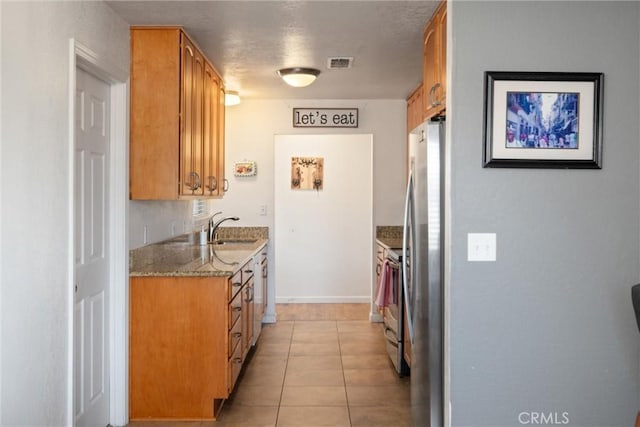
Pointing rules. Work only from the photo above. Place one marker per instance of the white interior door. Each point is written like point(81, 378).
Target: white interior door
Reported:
point(324, 238)
point(91, 321)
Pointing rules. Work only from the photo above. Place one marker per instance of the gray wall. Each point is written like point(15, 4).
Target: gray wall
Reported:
point(549, 327)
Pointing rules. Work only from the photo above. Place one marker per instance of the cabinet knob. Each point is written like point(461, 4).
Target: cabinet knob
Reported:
point(236, 284)
point(212, 183)
point(237, 334)
point(192, 181)
point(237, 360)
point(248, 271)
point(237, 309)
point(433, 100)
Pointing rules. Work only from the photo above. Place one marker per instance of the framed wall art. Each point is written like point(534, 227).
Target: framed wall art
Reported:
point(245, 168)
point(307, 173)
point(543, 120)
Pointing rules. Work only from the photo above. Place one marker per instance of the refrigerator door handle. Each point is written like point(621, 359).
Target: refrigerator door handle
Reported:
point(405, 235)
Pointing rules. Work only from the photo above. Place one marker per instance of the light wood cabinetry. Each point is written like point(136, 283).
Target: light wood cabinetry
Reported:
point(247, 310)
point(407, 342)
point(262, 308)
point(177, 118)
point(414, 109)
point(381, 255)
point(434, 72)
point(188, 339)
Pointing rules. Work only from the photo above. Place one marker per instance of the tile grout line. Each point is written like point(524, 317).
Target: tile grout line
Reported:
point(284, 377)
point(344, 380)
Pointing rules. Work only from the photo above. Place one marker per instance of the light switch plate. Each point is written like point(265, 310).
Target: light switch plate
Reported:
point(481, 247)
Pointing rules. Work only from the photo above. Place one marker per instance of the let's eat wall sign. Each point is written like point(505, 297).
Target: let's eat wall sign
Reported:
point(325, 117)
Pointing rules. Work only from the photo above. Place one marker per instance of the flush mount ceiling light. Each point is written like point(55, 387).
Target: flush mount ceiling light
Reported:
point(298, 77)
point(231, 97)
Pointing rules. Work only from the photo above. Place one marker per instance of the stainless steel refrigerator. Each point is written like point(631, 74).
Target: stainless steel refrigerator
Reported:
point(423, 271)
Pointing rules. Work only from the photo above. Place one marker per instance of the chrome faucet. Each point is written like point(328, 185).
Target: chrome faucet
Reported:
point(213, 226)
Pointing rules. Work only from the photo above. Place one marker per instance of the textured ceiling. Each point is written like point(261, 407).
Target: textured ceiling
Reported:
point(248, 41)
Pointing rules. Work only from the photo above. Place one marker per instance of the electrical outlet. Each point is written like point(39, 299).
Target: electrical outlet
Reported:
point(145, 236)
point(263, 210)
point(481, 247)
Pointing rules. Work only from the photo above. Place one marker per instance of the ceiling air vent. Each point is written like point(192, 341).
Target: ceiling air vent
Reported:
point(339, 62)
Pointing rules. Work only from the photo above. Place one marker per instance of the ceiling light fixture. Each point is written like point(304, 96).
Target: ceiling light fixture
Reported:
point(298, 77)
point(231, 97)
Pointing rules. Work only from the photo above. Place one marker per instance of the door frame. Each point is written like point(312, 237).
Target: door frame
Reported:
point(82, 57)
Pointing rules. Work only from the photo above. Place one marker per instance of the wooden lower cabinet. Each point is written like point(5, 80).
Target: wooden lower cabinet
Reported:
point(407, 343)
point(186, 345)
point(381, 254)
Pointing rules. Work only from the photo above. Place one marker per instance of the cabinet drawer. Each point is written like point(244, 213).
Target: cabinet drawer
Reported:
point(235, 366)
point(235, 310)
point(235, 283)
point(235, 336)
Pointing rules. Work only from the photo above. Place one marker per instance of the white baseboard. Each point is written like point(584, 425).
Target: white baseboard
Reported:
point(269, 318)
point(323, 300)
point(375, 318)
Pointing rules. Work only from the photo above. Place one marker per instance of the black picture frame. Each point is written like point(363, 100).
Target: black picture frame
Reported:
point(559, 113)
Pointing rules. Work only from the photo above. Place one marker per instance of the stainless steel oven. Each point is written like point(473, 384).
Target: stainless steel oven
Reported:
point(393, 316)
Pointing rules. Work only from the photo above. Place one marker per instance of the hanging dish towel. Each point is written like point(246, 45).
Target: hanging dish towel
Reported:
point(383, 295)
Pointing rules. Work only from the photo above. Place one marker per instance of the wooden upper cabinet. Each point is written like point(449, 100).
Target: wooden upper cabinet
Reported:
point(175, 117)
point(191, 120)
point(414, 109)
point(213, 132)
point(442, 34)
point(435, 63)
point(222, 182)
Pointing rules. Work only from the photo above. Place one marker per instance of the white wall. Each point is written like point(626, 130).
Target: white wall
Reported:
point(162, 220)
point(323, 238)
point(34, 188)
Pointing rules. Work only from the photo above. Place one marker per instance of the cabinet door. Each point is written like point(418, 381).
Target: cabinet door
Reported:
point(414, 109)
point(221, 129)
point(417, 108)
point(191, 158)
point(265, 275)
point(430, 69)
point(441, 22)
point(247, 316)
point(210, 138)
point(155, 114)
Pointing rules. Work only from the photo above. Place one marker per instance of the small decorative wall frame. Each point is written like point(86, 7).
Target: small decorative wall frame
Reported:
point(245, 168)
point(307, 173)
point(543, 120)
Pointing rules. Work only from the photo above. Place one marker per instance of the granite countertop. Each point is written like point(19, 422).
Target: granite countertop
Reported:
point(182, 256)
point(389, 236)
point(390, 243)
